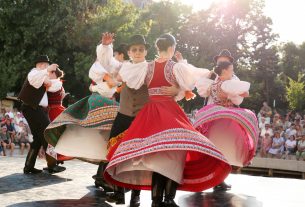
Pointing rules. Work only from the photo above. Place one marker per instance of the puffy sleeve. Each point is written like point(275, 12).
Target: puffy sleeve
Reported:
point(37, 77)
point(187, 75)
point(134, 74)
point(103, 89)
point(104, 54)
point(56, 85)
point(203, 86)
point(233, 88)
point(97, 72)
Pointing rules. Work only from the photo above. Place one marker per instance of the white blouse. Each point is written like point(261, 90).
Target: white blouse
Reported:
point(232, 88)
point(36, 77)
point(104, 54)
point(185, 74)
point(56, 85)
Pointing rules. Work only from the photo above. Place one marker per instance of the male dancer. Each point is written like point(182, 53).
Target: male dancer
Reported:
point(34, 107)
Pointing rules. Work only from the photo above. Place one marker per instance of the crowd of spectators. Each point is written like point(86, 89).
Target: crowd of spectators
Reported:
point(281, 136)
point(15, 132)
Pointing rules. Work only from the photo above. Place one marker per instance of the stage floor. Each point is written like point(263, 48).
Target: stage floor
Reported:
point(74, 188)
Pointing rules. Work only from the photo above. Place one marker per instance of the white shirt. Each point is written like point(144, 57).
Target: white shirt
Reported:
point(291, 144)
point(36, 78)
point(269, 131)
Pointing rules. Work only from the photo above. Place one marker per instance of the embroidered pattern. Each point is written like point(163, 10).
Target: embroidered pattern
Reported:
point(150, 72)
point(154, 91)
point(216, 95)
point(244, 117)
point(171, 139)
point(168, 72)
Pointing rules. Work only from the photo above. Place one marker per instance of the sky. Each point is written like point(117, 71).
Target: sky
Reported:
point(285, 14)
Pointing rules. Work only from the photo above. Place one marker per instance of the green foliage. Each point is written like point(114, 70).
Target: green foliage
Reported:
point(68, 31)
point(296, 93)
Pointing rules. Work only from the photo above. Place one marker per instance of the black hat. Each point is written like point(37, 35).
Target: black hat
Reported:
point(137, 40)
point(43, 59)
point(224, 53)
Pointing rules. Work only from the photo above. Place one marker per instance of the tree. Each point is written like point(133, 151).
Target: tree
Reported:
point(296, 93)
point(241, 27)
point(67, 31)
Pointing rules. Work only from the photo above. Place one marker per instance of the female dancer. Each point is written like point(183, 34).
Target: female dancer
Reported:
point(232, 129)
point(161, 150)
point(56, 94)
point(82, 130)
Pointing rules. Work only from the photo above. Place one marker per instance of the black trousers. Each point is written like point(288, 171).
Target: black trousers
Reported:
point(38, 120)
point(120, 124)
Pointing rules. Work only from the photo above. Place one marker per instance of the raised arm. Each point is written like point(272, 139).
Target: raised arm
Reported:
point(104, 54)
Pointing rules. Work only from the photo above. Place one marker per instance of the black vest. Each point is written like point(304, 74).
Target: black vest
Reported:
point(31, 95)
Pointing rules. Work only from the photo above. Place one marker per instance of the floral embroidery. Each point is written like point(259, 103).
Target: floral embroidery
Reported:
point(168, 72)
point(215, 95)
point(150, 72)
point(154, 91)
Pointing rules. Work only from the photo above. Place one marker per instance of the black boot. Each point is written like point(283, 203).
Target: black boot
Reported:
point(222, 187)
point(135, 198)
point(118, 197)
point(157, 189)
point(53, 167)
point(170, 193)
point(99, 178)
point(30, 162)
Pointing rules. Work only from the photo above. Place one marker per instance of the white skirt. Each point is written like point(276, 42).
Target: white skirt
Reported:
point(80, 142)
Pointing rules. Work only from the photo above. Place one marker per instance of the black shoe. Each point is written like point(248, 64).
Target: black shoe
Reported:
point(135, 198)
point(55, 169)
point(169, 203)
point(101, 183)
point(222, 187)
point(116, 197)
point(30, 162)
point(33, 171)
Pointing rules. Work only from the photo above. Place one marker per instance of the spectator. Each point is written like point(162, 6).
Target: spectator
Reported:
point(266, 110)
point(300, 154)
point(6, 141)
point(290, 131)
point(1, 150)
point(265, 145)
point(262, 123)
point(290, 147)
point(267, 129)
point(297, 116)
point(287, 122)
point(299, 130)
point(19, 117)
point(23, 137)
point(277, 146)
point(10, 128)
point(277, 121)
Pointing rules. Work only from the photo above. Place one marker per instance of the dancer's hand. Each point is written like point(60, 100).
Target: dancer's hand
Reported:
point(178, 56)
point(107, 38)
point(170, 90)
point(245, 94)
point(47, 83)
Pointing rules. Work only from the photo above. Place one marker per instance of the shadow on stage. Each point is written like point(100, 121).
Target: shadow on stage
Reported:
point(218, 199)
point(93, 198)
point(19, 181)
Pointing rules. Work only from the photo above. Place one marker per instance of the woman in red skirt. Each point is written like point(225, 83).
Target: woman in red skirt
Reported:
point(56, 94)
point(161, 150)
